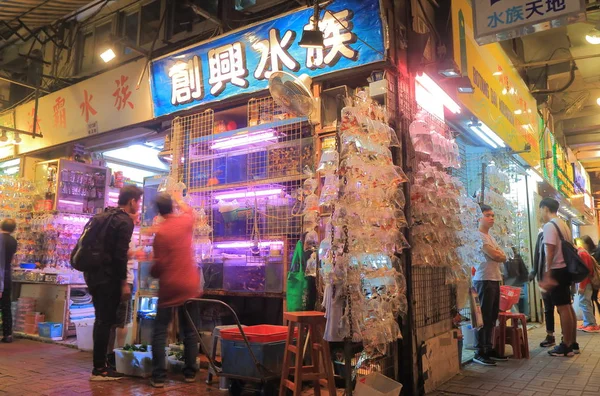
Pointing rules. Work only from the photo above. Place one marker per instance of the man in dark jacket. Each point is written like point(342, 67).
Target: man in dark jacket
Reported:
point(539, 259)
point(8, 248)
point(109, 286)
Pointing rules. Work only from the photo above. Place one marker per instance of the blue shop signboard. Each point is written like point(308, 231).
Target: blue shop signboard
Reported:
point(243, 61)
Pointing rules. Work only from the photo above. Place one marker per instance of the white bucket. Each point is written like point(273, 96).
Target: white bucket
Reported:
point(85, 334)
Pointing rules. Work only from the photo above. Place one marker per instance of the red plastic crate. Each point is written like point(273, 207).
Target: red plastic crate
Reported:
point(257, 334)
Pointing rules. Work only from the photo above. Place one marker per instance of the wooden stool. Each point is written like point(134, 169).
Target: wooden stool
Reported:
point(515, 336)
point(311, 325)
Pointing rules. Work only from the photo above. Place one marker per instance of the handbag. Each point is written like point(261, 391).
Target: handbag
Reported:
point(297, 283)
point(575, 265)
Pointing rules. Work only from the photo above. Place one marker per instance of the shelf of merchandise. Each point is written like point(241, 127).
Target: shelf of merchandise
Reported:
point(66, 317)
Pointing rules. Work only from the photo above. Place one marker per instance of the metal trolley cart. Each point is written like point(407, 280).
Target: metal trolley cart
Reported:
point(261, 379)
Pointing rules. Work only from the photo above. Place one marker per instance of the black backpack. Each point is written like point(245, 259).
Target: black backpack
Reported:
point(89, 254)
point(575, 265)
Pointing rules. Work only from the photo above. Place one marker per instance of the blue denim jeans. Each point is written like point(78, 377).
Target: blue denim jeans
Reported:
point(159, 341)
point(587, 309)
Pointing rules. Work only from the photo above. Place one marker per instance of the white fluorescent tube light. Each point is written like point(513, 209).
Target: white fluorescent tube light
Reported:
point(491, 134)
point(484, 137)
point(248, 194)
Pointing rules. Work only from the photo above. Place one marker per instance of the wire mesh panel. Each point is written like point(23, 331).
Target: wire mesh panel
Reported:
point(433, 297)
point(243, 184)
point(281, 161)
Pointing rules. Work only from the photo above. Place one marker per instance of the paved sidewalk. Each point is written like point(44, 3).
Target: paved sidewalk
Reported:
point(35, 368)
point(541, 375)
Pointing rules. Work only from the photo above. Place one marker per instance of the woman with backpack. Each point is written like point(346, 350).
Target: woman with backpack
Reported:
point(584, 292)
point(594, 251)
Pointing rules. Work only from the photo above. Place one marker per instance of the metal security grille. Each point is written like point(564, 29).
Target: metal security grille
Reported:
point(433, 298)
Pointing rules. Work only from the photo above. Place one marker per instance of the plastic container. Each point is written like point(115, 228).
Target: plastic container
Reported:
point(509, 296)
point(85, 334)
point(257, 334)
point(134, 364)
point(377, 384)
point(30, 329)
point(33, 318)
point(236, 358)
point(50, 330)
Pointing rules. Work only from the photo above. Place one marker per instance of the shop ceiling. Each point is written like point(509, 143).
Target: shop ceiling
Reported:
point(563, 71)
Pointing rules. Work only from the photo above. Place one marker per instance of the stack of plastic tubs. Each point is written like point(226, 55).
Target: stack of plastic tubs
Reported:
point(25, 305)
point(31, 322)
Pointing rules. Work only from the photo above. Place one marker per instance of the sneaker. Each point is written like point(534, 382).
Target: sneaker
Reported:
point(483, 360)
point(575, 348)
point(189, 378)
point(580, 327)
point(493, 355)
point(561, 350)
point(548, 342)
point(157, 383)
point(105, 374)
point(7, 340)
point(111, 361)
point(591, 329)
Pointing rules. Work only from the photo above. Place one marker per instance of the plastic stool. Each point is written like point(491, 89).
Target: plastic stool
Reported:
point(311, 325)
point(513, 335)
point(216, 337)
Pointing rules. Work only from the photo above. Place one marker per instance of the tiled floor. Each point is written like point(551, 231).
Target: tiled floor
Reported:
point(35, 368)
point(540, 375)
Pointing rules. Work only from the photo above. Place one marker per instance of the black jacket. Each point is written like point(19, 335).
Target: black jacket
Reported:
point(116, 246)
point(539, 258)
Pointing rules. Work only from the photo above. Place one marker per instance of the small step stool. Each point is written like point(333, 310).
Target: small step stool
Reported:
point(311, 325)
point(515, 336)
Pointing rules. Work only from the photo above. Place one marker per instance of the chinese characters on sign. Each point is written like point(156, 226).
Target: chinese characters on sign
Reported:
point(86, 106)
point(512, 18)
point(122, 94)
point(186, 81)
point(60, 113)
point(244, 61)
point(227, 64)
point(337, 37)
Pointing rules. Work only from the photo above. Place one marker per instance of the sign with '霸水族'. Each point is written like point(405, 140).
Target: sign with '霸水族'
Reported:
point(497, 20)
point(241, 62)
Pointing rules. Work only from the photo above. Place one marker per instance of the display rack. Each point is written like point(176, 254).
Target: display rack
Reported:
point(71, 187)
point(243, 182)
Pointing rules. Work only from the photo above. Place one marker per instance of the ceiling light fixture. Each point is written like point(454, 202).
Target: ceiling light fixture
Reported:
point(313, 38)
point(598, 101)
point(3, 137)
point(593, 36)
point(17, 139)
point(108, 55)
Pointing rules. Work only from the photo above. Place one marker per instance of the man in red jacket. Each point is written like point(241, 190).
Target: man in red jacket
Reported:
point(179, 280)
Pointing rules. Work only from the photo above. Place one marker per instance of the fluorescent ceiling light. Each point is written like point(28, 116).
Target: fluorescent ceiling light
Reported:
point(10, 163)
point(137, 154)
point(438, 92)
point(491, 134)
point(593, 37)
point(108, 55)
point(246, 244)
point(11, 171)
point(66, 202)
point(243, 140)
point(248, 194)
point(518, 112)
point(483, 137)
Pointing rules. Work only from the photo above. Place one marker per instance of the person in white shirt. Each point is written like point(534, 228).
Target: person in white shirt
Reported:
point(556, 279)
point(488, 275)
